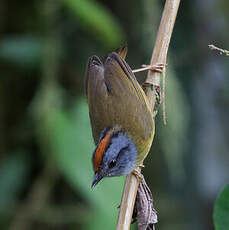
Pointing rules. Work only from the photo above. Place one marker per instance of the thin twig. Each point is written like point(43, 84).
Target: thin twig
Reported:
point(221, 51)
point(153, 79)
point(163, 96)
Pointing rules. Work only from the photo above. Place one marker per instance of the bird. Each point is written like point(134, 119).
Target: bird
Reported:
point(120, 115)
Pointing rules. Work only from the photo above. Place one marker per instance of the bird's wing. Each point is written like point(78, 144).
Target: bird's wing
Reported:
point(116, 99)
point(96, 93)
point(122, 52)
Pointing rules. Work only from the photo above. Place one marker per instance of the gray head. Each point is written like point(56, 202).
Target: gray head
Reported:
point(115, 155)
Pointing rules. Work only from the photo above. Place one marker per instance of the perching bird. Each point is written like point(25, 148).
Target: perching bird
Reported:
point(121, 118)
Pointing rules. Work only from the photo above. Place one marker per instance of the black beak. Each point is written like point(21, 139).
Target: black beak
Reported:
point(96, 180)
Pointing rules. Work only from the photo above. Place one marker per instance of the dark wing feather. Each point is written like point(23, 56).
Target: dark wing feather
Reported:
point(94, 72)
point(116, 99)
point(96, 91)
point(127, 99)
point(122, 52)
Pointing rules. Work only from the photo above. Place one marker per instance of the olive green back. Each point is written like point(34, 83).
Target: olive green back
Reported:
point(115, 98)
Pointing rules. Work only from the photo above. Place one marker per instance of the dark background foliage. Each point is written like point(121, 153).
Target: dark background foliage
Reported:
point(45, 136)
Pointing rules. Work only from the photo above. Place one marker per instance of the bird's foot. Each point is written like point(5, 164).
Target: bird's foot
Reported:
point(141, 166)
point(138, 174)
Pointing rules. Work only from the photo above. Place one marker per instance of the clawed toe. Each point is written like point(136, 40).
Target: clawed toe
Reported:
point(137, 174)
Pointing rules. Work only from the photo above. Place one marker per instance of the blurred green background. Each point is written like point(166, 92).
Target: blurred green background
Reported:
point(45, 136)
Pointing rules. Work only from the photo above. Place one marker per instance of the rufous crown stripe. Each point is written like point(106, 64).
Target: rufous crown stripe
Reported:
point(99, 152)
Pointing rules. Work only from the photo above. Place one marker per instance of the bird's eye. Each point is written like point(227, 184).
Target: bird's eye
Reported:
point(112, 163)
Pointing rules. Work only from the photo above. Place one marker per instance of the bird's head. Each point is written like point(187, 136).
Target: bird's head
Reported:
point(114, 155)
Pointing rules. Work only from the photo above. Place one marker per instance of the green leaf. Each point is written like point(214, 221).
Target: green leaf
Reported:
point(97, 19)
point(221, 210)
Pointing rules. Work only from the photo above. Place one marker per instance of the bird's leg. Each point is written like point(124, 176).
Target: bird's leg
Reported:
point(157, 68)
point(141, 166)
point(138, 174)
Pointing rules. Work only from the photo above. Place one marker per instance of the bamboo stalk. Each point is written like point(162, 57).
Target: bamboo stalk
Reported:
point(153, 78)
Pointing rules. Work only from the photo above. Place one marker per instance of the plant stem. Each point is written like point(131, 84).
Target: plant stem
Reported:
point(153, 79)
point(221, 51)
